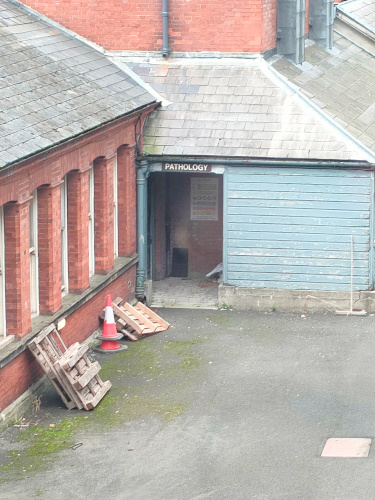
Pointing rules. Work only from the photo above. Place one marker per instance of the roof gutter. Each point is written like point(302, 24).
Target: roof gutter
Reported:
point(244, 162)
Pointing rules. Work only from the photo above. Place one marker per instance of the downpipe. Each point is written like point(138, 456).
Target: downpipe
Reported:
point(165, 16)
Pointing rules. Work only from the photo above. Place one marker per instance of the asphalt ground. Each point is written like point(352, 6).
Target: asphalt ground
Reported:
point(224, 405)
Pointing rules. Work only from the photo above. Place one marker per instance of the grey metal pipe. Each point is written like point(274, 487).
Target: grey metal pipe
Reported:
point(141, 228)
point(165, 15)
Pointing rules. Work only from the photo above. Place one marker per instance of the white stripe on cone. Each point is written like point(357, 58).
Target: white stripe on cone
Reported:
point(109, 317)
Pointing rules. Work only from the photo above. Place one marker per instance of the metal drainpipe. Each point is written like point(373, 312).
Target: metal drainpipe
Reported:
point(142, 173)
point(165, 15)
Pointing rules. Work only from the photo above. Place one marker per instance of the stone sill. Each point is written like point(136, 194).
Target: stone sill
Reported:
point(71, 302)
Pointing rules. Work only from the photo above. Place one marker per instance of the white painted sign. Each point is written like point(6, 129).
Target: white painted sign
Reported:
point(186, 167)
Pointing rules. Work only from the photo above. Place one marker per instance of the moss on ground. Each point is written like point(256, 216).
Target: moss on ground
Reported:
point(223, 320)
point(36, 445)
point(147, 380)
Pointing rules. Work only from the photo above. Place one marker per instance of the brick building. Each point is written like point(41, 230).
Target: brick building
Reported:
point(71, 123)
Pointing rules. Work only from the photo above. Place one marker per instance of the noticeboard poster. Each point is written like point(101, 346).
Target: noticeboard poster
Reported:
point(204, 198)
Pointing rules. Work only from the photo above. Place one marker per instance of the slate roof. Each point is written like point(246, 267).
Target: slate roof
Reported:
point(53, 86)
point(240, 109)
point(362, 11)
point(341, 82)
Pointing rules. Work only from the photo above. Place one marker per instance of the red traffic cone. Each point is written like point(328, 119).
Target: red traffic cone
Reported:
point(110, 336)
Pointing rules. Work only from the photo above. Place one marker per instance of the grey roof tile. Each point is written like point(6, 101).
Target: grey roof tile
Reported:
point(54, 86)
point(363, 11)
point(345, 91)
point(241, 110)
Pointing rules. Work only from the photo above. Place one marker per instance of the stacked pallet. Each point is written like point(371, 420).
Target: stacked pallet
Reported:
point(136, 322)
point(72, 374)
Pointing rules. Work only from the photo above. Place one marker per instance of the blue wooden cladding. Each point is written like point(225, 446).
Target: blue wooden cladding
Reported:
point(291, 228)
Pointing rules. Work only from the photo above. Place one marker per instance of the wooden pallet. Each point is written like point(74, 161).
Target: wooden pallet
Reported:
point(136, 321)
point(72, 374)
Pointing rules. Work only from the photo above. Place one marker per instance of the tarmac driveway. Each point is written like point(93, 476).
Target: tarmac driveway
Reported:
point(225, 405)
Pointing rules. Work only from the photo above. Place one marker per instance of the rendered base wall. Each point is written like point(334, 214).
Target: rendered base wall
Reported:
point(301, 301)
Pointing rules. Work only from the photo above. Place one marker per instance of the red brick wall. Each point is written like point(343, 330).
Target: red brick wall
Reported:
point(78, 231)
point(269, 25)
point(103, 214)
point(195, 25)
point(18, 375)
point(126, 201)
point(49, 243)
point(17, 267)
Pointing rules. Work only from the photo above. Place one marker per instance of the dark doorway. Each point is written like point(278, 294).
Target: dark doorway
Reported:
point(187, 224)
point(180, 262)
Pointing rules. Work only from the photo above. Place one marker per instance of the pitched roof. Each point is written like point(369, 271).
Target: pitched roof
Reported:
point(361, 11)
point(53, 86)
point(340, 82)
point(239, 109)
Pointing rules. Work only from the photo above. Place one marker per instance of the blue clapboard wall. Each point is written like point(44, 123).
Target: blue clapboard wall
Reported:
point(290, 228)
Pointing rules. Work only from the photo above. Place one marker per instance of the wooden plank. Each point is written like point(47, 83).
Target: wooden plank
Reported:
point(129, 319)
point(152, 314)
point(256, 228)
point(313, 213)
point(338, 259)
point(50, 349)
point(131, 336)
point(99, 396)
point(294, 219)
point(43, 359)
point(248, 234)
point(70, 358)
point(93, 386)
point(330, 195)
point(277, 172)
point(66, 382)
point(269, 179)
point(244, 189)
point(303, 204)
point(83, 380)
point(139, 316)
point(46, 331)
point(55, 345)
point(120, 323)
point(304, 271)
point(69, 403)
point(278, 276)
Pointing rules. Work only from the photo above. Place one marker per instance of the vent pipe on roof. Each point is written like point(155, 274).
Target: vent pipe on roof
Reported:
point(165, 15)
point(321, 22)
point(291, 29)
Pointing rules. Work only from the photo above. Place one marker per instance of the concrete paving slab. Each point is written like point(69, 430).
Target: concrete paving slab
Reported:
point(347, 448)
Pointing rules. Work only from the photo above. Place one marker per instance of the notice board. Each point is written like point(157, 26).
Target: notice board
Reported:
point(204, 198)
